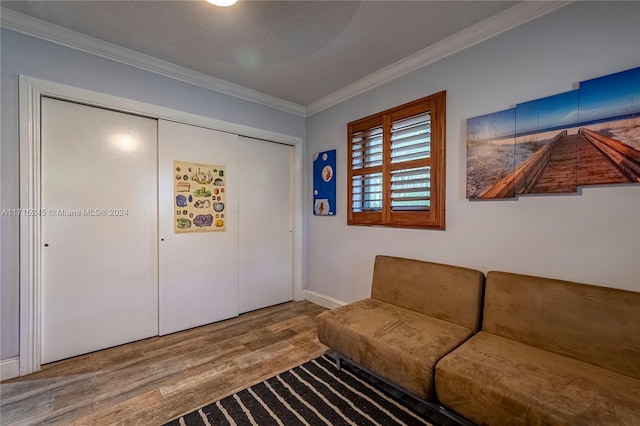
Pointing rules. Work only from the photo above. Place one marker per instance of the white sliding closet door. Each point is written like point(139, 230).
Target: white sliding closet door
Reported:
point(266, 239)
point(198, 281)
point(99, 234)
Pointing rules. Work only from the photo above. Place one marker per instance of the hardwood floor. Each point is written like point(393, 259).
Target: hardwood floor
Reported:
point(152, 381)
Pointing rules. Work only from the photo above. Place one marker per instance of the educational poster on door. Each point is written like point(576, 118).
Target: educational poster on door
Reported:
point(324, 183)
point(199, 197)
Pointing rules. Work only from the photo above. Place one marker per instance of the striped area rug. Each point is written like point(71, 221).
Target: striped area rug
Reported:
point(314, 393)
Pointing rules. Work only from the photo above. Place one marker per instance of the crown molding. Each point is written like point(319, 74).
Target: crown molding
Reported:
point(516, 15)
point(28, 25)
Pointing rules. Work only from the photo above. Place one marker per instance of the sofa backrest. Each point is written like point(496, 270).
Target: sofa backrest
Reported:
point(449, 293)
point(597, 325)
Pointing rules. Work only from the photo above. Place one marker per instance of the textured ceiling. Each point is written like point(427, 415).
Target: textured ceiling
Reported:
point(299, 51)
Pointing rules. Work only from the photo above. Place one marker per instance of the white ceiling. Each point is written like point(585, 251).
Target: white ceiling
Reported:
point(299, 51)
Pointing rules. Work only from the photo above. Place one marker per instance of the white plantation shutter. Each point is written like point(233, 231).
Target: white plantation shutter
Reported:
point(366, 148)
point(410, 189)
point(411, 142)
point(366, 153)
point(396, 166)
point(367, 193)
point(411, 138)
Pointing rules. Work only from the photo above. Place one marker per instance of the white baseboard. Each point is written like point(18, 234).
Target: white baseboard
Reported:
point(9, 368)
point(322, 300)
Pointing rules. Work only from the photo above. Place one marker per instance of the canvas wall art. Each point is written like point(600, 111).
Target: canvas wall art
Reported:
point(588, 136)
point(324, 183)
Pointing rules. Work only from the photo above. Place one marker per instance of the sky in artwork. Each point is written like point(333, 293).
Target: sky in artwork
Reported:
point(609, 97)
point(548, 113)
point(497, 125)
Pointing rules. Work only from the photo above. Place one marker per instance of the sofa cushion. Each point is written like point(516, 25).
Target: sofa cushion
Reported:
point(398, 344)
point(496, 381)
point(446, 292)
point(597, 325)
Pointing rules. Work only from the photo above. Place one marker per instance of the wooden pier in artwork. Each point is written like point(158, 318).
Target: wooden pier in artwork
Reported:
point(569, 161)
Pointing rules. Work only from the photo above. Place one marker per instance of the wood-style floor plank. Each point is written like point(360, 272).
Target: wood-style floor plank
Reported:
point(152, 381)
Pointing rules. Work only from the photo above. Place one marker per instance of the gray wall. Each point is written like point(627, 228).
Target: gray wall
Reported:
point(29, 56)
point(593, 237)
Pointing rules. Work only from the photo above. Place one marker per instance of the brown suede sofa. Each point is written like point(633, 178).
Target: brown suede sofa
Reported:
point(550, 352)
point(417, 313)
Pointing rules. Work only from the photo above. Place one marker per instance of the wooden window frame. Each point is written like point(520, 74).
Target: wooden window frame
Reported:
point(434, 218)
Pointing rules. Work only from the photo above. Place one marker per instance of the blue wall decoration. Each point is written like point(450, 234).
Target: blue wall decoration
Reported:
point(324, 183)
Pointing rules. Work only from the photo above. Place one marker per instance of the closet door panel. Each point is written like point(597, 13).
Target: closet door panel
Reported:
point(266, 239)
point(198, 281)
point(99, 234)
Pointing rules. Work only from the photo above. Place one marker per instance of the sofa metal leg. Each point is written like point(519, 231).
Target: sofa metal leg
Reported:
point(339, 363)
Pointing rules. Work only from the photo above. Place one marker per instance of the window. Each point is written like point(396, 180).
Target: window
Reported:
point(397, 166)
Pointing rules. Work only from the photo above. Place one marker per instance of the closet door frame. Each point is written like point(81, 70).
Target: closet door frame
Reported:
point(31, 92)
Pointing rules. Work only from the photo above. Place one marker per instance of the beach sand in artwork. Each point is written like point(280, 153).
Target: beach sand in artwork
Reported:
point(489, 161)
point(626, 131)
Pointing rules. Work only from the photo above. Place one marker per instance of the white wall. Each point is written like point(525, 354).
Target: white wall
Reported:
point(593, 237)
point(29, 56)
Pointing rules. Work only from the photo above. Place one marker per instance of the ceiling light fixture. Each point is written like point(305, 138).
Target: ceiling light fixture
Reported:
point(223, 3)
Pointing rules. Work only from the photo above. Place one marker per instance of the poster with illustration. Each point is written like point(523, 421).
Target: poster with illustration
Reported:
point(199, 197)
point(324, 183)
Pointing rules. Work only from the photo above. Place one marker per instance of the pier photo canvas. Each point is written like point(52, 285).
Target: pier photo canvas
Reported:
point(589, 136)
point(491, 154)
